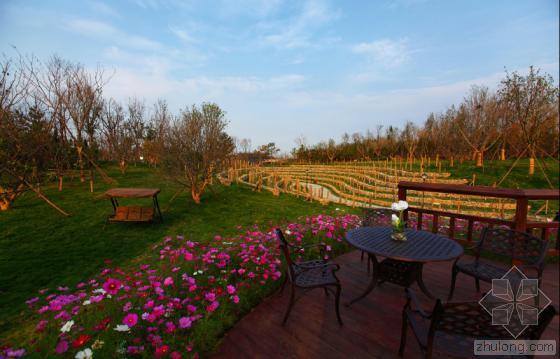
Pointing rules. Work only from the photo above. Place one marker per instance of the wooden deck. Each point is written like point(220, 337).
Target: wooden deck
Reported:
point(371, 326)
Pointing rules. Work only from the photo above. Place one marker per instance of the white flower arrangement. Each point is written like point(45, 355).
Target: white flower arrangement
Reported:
point(398, 221)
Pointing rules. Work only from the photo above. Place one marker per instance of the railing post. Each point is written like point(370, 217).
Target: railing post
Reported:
point(521, 208)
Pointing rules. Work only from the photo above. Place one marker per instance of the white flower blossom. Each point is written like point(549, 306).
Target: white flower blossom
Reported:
point(84, 354)
point(86, 302)
point(122, 328)
point(399, 206)
point(403, 205)
point(67, 326)
point(395, 220)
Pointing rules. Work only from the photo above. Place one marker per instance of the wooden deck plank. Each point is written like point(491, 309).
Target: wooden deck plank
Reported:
point(371, 326)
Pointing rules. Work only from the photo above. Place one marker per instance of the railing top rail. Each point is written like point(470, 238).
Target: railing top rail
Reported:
point(486, 191)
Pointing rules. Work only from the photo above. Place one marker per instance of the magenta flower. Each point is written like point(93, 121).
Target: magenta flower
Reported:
point(61, 347)
point(235, 299)
point(130, 319)
point(168, 281)
point(41, 325)
point(210, 296)
point(212, 307)
point(112, 286)
point(231, 289)
point(170, 327)
point(185, 322)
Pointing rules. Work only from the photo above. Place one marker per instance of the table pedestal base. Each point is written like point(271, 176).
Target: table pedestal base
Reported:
point(394, 271)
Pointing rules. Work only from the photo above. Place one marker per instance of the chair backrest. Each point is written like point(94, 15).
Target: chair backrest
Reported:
point(376, 217)
point(519, 246)
point(285, 248)
point(470, 320)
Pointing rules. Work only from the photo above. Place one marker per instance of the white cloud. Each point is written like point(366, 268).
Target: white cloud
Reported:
point(299, 30)
point(182, 34)
point(103, 9)
point(108, 33)
point(385, 52)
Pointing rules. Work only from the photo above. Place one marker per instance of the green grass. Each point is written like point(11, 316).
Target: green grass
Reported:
point(40, 248)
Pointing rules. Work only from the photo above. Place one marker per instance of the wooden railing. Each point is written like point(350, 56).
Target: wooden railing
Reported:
point(519, 222)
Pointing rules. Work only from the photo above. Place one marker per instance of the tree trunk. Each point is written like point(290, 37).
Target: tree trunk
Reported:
point(122, 166)
point(531, 165)
point(81, 164)
point(479, 158)
point(195, 195)
point(503, 154)
point(60, 179)
point(91, 180)
point(451, 162)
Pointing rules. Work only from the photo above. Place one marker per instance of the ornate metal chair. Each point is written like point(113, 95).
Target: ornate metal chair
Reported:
point(375, 217)
point(524, 250)
point(452, 328)
point(309, 274)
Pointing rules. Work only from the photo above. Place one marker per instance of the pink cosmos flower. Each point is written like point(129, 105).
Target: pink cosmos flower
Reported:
point(135, 349)
point(210, 296)
point(96, 298)
point(231, 289)
point(212, 307)
point(191, 308)
point(235, 299)
point(170, 327)
point(112, 286)
point(168, 281)
point(41, 325)
point(61, 347)
point(161, 351)
point(175, 355)
point(130, 319)
point(185, 322)
point(127, 307)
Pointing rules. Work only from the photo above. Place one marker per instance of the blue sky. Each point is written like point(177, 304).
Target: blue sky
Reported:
point(282, 69)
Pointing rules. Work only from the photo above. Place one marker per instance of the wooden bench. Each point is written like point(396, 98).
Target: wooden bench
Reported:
point(133, 213)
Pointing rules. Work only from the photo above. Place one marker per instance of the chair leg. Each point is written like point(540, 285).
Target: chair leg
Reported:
point(477, 284)
point(290, 305)
point(362, 257)
point(453, 279)
point(404, 330)
point(326, 291)
point(337, 303)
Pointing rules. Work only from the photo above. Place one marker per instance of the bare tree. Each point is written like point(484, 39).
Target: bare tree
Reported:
point(477, 122)
point(116, 134)
point(198, 147)
point(154, 143)
point(409, 138)
point(531, 103)
point(245, 145)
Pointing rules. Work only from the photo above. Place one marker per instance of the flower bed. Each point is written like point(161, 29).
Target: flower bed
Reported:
point(177, 304)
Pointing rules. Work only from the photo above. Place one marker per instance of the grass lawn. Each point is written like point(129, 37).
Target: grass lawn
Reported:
point(40, 248)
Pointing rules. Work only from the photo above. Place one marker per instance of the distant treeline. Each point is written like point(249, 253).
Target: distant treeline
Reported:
point(520, 119)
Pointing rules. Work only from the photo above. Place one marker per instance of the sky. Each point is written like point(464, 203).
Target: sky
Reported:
point(285, 69)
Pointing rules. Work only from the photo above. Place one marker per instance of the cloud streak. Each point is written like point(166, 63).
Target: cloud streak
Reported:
point(385, 52)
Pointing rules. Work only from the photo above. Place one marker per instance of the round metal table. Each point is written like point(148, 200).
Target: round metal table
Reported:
point(403, 259)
